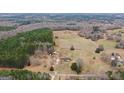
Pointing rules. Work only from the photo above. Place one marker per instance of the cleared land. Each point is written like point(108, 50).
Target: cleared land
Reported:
point(84, 49)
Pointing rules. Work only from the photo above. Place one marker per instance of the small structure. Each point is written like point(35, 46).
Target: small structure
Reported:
point(66, 59)
point(116, 60)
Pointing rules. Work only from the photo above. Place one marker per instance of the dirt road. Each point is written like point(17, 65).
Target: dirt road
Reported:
point(83, 76)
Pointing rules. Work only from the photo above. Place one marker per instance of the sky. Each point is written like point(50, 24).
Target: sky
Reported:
point(61, 6)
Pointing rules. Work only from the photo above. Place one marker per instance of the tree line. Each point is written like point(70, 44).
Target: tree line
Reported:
point(23, 75)
point(15, 51)
point(7, 28)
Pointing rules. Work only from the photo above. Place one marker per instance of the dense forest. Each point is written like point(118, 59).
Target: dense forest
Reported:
point(23, 75)
point(15, 51)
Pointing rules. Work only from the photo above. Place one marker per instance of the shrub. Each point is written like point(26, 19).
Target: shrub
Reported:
point(97, 50)
point(109, 73)
point(101, 48)
point(74, 66)
point(56, 37)
point(77, 66)
point(72, 48)
point(94, 57)
point(51, 68)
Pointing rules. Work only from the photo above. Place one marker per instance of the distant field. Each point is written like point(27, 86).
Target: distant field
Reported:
point(7, 28)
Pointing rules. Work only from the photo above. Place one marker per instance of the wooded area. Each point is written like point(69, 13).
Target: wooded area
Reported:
point(23, 75)
point(14, 51)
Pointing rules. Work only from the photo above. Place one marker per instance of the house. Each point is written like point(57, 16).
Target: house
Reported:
point(116, 60)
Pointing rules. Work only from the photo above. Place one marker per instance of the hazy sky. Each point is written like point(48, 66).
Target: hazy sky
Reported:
point(62, 6)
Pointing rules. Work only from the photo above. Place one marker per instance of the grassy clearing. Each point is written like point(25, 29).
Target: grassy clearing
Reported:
point(84, 49)
point(107, 43)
